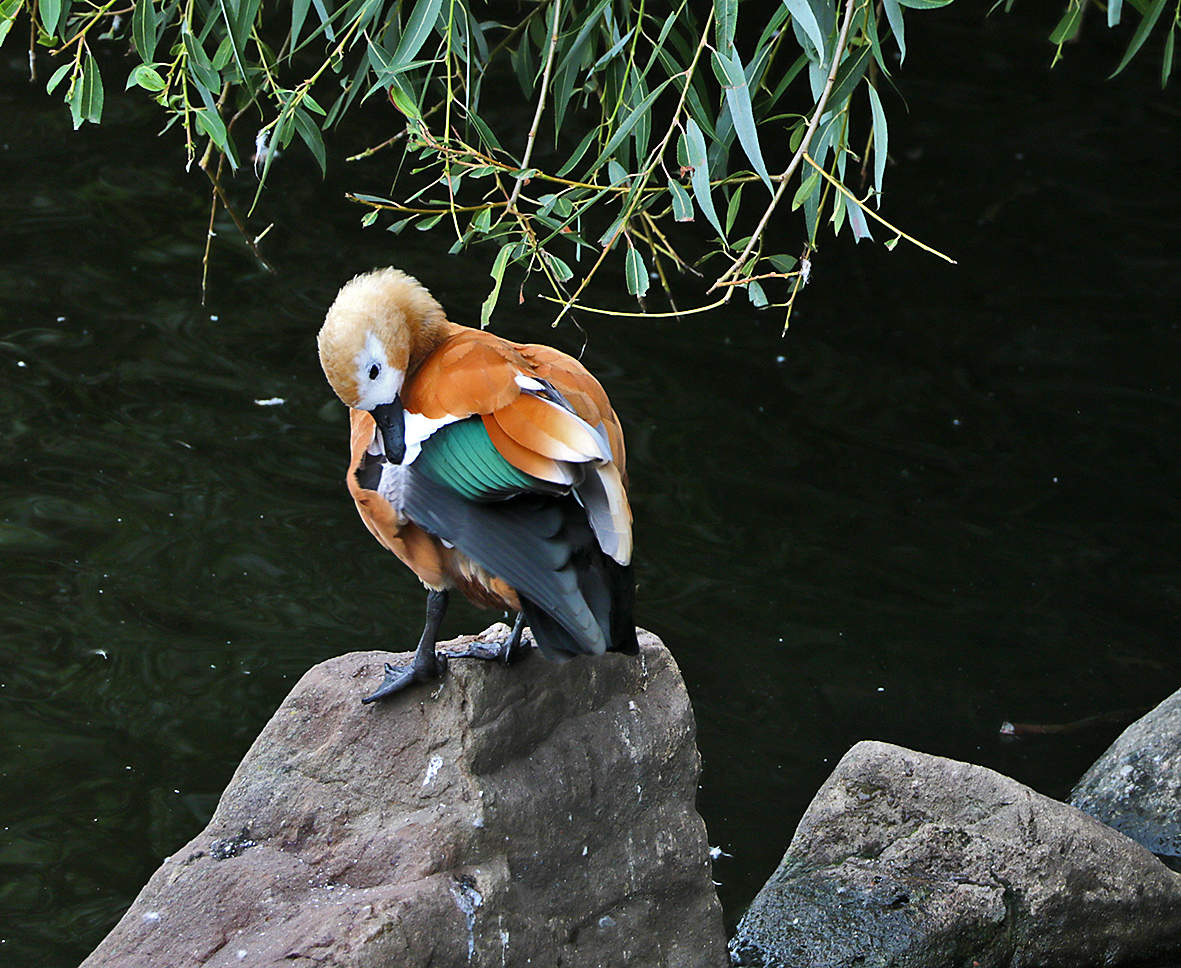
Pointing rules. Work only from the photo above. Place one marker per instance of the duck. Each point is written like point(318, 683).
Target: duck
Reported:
point(490, 468)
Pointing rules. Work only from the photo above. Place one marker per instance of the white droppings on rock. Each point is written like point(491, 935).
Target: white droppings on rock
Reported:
point(150, 917)
point(271, 402)
point(468, 899)
point(606, 921)
point(432, 769)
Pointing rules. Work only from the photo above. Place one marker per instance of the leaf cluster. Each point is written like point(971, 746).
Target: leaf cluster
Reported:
point(644, 115)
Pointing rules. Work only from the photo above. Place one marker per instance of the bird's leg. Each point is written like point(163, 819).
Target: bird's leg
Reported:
point(504, 651)
point(427, 664)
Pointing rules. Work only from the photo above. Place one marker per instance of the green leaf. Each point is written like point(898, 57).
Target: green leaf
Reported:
point(849, 75)
point(1068, 26)
point(200, 67)
point(894, 16)
point(881, 141)
point(871, 33)
point(755, 293)
point(1147, 22)
point(1114, 9)
point(309, 131)
point(1166, 64)
point(325, 20)
point(784, 263)
point(224, 53)
point(725, 20)
point(483, 220)
point(239, 19)
point(418, 29)
point(299, 13)
point(561, 271)
point(210, 123)
point(924, 4)
point(616, 173)
point(682, 203)
point(641, 110)
point(145, 29)
point(147, 77)
point(728, 69)
point(732, 208)
point(90, 107)
point(636, 272)
point(403, 100)
point(369, 218)
point(697, 158)
point(56, 79)
point(50, 11)
point(802, 14)
point(8, 11)
point(578, 152)
point(807, 187)
point(499, 264)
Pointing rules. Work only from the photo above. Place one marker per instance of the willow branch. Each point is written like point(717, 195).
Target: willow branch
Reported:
point(549, 63)
point(756, 235)
point(874, 215)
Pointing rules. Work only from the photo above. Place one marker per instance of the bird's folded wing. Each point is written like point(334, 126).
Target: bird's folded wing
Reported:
point(526, 541)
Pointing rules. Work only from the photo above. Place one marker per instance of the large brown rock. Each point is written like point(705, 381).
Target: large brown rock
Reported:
point(539, 814)
point(915, 861)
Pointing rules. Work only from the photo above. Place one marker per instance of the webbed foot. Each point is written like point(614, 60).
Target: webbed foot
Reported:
point(398, 678)
point(505, 650)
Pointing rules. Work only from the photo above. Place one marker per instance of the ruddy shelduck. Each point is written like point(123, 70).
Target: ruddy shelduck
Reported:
point(491, 467)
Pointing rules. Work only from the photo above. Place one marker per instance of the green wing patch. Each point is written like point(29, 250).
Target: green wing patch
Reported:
point(462, 456)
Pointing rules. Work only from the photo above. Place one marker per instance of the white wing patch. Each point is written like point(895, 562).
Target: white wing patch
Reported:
point(418, 429)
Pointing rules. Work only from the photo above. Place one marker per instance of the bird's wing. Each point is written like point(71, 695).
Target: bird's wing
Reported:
point(493, 419)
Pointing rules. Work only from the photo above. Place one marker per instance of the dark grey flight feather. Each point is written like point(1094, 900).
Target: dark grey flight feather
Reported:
point(540, 545)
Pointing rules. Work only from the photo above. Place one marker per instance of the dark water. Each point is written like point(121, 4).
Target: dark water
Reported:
point(948, 498)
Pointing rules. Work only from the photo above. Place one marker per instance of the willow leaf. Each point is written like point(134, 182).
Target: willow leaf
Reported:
point(636, 272)
point(499, 264)
point(801, 14)
point(682, 203)
point(640, 111)
point(696, 155)
point(881, 142)
point(725, 20)
point(728, 69)
point(894, 17)
point(1147, 22)
point(418, 28)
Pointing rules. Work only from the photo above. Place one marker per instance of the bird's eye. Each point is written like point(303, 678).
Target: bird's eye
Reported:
point(373, 371)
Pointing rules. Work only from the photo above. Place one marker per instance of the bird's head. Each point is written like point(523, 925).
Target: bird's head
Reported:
point(380, 327)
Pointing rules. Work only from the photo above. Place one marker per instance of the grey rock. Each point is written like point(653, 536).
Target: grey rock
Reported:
point(539, 814)
point(1135, 786)
point(915, 861)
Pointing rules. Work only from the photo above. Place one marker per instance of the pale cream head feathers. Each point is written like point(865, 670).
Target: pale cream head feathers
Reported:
point(380, 326)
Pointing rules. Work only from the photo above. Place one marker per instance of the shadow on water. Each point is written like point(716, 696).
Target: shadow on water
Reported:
point(947, 498)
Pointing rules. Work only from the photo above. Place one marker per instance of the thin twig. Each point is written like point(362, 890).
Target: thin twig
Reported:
point(657, 153)
point(549, 63)
point(756, 235)
point(874, 215)
point(628, 315)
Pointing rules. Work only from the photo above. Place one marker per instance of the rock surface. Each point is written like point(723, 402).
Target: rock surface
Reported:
point(907, 860)
point(539, 814)
point(1135, 786)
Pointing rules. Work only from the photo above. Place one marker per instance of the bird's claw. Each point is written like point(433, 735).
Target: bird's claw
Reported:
point(398, 678)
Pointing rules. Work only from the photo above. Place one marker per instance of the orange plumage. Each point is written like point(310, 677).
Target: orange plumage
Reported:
point(487, 466)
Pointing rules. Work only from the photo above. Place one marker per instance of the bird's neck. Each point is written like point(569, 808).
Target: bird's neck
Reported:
point(428, 337)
